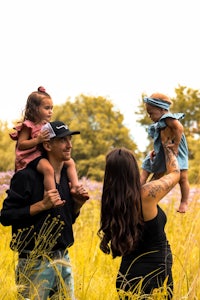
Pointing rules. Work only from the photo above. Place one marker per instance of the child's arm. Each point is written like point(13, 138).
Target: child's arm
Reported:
point(79, 193)
point(24, 141)
point(71, 172)
point(177, 131)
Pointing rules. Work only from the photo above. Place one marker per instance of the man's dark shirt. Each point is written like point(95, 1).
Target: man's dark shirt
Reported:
point(50, 229)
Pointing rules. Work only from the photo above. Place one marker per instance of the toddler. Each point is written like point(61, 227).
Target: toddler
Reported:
point(157, 106)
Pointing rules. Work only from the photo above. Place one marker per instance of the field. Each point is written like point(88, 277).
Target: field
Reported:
point(95, 272)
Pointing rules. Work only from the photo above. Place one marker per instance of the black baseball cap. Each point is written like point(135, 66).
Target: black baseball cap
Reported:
point(58, 129)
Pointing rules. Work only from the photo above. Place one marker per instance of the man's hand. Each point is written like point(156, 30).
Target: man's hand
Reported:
point(50, 200)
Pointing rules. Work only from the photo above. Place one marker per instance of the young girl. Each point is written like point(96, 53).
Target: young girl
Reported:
point(28, 134)
point(157, 106)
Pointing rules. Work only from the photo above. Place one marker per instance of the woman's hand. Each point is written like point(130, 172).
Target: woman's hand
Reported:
point(152, 154)
point(166, 136)
point(167, 140)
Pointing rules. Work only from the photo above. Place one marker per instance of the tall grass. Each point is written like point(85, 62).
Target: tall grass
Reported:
point(95, 272)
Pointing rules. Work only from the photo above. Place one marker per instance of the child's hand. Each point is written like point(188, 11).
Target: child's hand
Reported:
point(79, 193)
point(43, 136)
point(152, 154)
point(52, 199)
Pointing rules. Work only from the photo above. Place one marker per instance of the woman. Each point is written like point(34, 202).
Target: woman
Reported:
point(132, 222)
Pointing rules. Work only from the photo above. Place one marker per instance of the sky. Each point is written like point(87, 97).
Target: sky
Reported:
point(111, 48)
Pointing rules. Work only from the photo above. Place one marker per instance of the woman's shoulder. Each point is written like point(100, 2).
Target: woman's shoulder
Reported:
point(151, 194)
point(159, 212)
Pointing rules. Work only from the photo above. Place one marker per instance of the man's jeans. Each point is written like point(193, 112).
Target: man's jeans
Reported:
point(44, 277)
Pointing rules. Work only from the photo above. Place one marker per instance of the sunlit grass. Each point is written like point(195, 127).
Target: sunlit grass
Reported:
point(95, 272)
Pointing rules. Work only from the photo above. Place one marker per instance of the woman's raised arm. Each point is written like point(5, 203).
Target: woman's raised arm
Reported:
point(153, 191)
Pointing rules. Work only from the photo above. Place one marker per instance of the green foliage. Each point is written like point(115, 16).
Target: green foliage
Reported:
point(143, 117)
point(187, 101)
point(7, 148)
point(194, 162)
point(101, 129)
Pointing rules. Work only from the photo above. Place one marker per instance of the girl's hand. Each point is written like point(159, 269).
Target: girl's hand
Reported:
point(79, 194)
point(52, 199)
point(43, 136)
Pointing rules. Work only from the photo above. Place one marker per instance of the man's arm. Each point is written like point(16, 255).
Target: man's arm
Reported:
point(51, 200)
point(19, 205)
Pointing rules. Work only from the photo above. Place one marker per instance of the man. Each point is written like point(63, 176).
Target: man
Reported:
point(42, 222)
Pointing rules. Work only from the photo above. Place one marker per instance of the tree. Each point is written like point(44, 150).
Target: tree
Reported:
point(145, 121)
point(101, 129)
point(187, 101)
point(7, 149)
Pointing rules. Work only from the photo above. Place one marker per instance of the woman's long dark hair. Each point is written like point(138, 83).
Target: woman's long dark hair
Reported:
point(121, 209)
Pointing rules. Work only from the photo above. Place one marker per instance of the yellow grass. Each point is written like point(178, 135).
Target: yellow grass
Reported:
point(95, 272)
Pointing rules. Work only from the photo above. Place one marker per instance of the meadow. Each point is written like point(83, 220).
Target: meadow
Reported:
point(95, 272)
